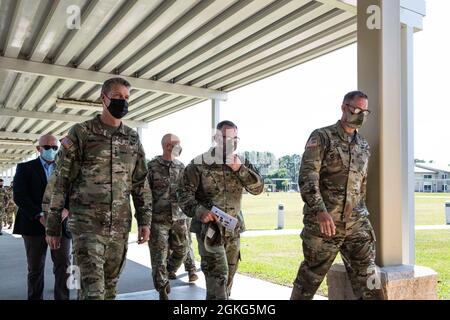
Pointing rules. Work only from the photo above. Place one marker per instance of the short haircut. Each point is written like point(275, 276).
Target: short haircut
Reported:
point(227, 123)
point(354, 94)
point(1, 180)
point(108, 84)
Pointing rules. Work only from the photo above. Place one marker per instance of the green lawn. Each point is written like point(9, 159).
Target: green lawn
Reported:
point(260, 212)
point(430, 208)
point(433, 250)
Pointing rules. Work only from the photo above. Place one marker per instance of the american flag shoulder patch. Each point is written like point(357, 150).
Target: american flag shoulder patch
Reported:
point(312, 142)
point(66, 142)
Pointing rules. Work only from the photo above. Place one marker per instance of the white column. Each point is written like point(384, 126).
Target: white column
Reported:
point(407, 125)
point(139, 131)
point(215, 116)
point(379, 75)
point(215, 113)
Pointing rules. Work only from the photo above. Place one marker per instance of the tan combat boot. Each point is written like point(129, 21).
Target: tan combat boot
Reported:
point(172, 275)
point(164, 292)
point(192, 276)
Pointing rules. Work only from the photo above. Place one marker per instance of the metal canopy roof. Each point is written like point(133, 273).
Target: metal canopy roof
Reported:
point(175, 53)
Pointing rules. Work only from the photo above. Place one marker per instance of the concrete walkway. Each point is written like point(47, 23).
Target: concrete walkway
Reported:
point(135, 282)
point(434, 227)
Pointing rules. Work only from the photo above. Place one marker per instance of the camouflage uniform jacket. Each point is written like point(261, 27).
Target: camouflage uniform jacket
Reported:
point(207, 182)
point(100, 171)
point(10, 202)
point(3, 200)
point(163, 177)
point(333, 173)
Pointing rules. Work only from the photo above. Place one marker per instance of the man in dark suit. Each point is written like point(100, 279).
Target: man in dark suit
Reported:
point(30, 182)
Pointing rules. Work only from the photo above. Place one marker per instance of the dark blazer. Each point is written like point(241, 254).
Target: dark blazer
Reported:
point(29, 187)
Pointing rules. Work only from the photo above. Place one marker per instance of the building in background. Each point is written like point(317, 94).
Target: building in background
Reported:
point(431, 178)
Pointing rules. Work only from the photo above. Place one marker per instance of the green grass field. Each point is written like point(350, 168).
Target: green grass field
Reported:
point(260, 212)
point(430, 208)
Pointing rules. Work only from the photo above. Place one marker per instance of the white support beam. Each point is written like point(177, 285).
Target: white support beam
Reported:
point(379, 76)
point(8, 162)
point(58, 117)
point(140, 134)
point(10, 156)
point(16, 142)
point(78, 105)
point(5, 146)
point(340, 5)
point(215, 113)
point(215, 116)
point(68, 73)
point(407, 125)
point(21, 135)
point(412, 13)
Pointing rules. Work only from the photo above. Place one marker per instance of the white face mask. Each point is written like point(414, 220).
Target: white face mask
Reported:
point(49, 155)
point(176, 151)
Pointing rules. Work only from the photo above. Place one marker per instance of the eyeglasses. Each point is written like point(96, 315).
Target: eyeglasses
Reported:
point(358, 110)
point(47, 147)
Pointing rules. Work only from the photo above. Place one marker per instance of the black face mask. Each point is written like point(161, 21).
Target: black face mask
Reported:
point(118, 108)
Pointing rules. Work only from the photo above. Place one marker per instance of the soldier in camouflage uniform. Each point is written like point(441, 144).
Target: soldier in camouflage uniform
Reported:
point(189, 260)
point(168, 229)
point(103, 163)
point(332, 181)
point(217, 178)
point(11, 208)
point(3, 204)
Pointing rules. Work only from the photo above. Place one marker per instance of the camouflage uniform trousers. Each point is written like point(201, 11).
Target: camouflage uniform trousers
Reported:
point(165, 236)
point(219, 268)
point(9, 216)
point(355, 240)
point(2, 217)
point(189, 261)
point(100, 260)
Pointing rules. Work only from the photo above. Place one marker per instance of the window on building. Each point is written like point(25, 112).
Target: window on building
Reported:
point(428, 176)
point(444, 176)
point(444, 187)
point(427, 188)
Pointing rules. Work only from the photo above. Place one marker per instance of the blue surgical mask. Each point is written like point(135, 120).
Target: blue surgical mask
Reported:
point(49, 155)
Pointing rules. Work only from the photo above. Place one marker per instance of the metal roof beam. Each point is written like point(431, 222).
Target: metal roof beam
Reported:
point(21, 135)
point(78, 105)
point(340, 5)
point(11, 156)
point(58, 117)
point(68, 73)
point(5, 146)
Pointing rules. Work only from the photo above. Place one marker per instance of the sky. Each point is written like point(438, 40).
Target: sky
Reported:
point(277, 114)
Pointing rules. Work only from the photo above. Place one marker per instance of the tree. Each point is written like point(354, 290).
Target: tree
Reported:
point(280, 173)
point(264, 162)
point(292, 165)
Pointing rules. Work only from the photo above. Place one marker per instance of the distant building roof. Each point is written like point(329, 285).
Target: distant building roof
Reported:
point(433, 167)
point(420, 170)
